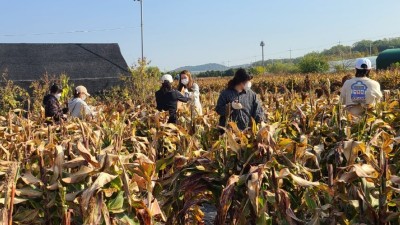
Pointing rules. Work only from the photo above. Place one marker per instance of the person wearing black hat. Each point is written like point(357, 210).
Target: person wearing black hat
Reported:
point(52, 105)
point(239, 103)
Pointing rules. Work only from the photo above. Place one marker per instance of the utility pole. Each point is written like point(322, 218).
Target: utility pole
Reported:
point(141, 25)
point(341, 55)
point(370, 49)
point(262, 44)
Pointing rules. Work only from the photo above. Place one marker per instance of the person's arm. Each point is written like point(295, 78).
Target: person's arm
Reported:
point(87, 110)
point(258, 112)
point(196, 91)
point(377, 92)
point(180, 97)
point(221, 104)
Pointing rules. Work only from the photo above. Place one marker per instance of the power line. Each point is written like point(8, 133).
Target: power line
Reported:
point(67, 32)
point(329, 44)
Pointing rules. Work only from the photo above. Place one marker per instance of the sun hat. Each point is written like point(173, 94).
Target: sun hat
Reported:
point(363, 63)
point(55, 89)
point(241, 75)
point(82, 89)
point(167, 77)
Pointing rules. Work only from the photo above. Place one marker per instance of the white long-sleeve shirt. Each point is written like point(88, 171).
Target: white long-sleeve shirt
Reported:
point(79, 108)
point(195, 95)
point(360, 91)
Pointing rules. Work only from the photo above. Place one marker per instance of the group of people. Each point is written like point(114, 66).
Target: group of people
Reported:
point(167, 98)
point(237, 103)
point(76, 107)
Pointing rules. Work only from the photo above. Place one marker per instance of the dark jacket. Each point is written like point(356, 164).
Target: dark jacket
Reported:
point(52, 107)
point(168, 101)
point(251, 108)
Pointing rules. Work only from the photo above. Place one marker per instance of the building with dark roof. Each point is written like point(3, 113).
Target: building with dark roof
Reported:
point(96, 66)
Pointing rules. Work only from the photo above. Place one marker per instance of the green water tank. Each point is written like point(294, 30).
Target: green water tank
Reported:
point(387, 58)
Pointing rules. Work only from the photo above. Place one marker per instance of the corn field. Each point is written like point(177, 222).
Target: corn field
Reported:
point(310, 163)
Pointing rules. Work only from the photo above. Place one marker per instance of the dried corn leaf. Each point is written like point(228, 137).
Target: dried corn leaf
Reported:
point(28, 192)
point(28, 178)
point(87, 156)
point(351, 150)
point(102, 179)
point(79, 176)
point(79, 161)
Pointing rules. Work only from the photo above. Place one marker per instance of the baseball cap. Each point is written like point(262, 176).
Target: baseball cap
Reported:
point(363, 63)
point(82, 89)
point(167, 77)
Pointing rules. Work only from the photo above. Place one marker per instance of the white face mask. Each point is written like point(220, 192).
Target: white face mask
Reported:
point(247, 86)
point(84, 97)
point(185, 81)
point(58, 96)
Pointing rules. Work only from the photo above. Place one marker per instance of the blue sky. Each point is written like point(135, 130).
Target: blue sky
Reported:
point(192, 32)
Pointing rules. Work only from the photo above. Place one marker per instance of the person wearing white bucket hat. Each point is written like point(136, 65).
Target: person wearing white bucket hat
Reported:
point(360, 93)
point(167, 98)
point(78, 108)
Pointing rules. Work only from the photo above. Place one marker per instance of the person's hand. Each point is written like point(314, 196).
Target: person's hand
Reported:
point(237, 105)
point(263, 124)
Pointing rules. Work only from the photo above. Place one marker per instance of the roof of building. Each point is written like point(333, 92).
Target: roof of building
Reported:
point(97, 66)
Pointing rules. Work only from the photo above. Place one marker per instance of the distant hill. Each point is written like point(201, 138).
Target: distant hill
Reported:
point(241, 66)
point(203, 68)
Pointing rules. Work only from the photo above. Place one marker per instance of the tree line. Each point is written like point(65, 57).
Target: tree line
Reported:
point(315, 62)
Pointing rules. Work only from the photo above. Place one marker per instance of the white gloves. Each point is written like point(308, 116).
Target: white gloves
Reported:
point(237, 105)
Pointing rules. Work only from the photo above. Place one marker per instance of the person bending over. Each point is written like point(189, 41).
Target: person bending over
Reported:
point(167, 98)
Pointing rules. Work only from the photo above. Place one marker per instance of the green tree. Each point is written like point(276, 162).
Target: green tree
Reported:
point(153, 71)
point(337, 51)
point(280, 67)
point(257, 70)
point(141, 84)
point(313, 63)
point(11, 96)
point(229, 73)
point(362, 46)
point(210, 73)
